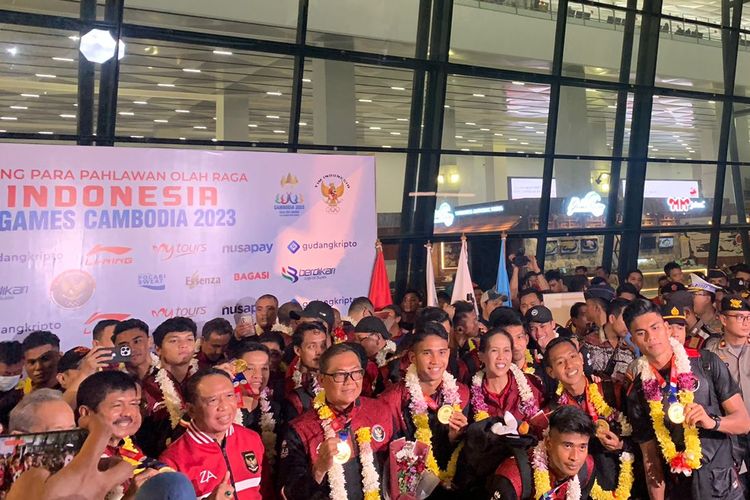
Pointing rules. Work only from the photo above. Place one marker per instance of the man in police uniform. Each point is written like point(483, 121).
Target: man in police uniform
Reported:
point(674, 315)
point(732, 348)
point(697, 331)
point(704, 295)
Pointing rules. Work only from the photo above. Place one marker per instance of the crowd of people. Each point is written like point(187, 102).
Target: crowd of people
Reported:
point(484, 398)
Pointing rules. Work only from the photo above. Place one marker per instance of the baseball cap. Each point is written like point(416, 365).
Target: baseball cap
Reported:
point(72, 358)
point(673, 314)
point(738, 285)
point(538, 314)
point(740, 268)
point(734, 303)
point(714, 274)
point(672, 287)
point(372, 324)
point(601, 291)
point(316, 309)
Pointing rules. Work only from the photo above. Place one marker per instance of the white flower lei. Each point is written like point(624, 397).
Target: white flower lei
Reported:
point(172, 400)
point(539, 462)
point(267, 425)
point(382, 355)
point(281, 328)
point(297, 379)
point(416, 396)
point(524, 389)
point(681, 361)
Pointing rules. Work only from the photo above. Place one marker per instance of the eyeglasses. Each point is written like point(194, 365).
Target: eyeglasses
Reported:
point(739, 318)
point(340, 377)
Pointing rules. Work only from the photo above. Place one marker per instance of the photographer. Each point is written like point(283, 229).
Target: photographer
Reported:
point(519, 261)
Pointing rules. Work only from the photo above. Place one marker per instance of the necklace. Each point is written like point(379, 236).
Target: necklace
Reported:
point(172, 400)
point(528, 406)
point(381, 358)
point(542, 480)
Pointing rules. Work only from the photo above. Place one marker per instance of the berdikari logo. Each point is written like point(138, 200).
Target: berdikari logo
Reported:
point(8, 292)
point(97, 317)
point(294, 274)
point(168, 251)
point(102, 255)
point(152, 281)
point(171, 312)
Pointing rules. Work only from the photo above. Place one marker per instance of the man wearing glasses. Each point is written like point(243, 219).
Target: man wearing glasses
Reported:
point(708, 324)
point(732, 348)
point(322, 451)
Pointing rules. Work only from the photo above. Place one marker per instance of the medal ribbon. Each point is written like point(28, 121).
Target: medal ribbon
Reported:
point(672, 397)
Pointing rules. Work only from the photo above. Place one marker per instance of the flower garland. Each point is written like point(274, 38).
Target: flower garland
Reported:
point(336, 480)
point(297, 378)
point(267, 425)
point(282, 329)
point(423, 434)
point(624, 481)
point(690, 459)
point(542, 481)
point(607, 412)
point(529, 363)
point(173, 402)
point(381, 358)
point(528, 407)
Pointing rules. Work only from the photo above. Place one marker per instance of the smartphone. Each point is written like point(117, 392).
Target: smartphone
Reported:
point(49, 450)
point(120, 354)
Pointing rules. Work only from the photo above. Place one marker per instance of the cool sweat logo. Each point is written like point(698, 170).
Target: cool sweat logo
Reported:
point(294, 274)
point(152, 281)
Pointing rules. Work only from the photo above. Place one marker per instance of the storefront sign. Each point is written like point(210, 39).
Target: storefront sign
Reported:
point(445, 214)
point(683, 204)
point(589, 204)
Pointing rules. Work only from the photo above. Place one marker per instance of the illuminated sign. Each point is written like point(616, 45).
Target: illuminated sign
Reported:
point(589, 204)
point(445, 214)
point(682, 204)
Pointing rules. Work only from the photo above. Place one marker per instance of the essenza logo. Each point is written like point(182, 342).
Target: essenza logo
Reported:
point(196, 280)
point(252, 276)
point(152, 281)
point(11, 292)
point(171, 312)
point(168, 251)
point(102, 255)
point(97, 317)
point(294, 274)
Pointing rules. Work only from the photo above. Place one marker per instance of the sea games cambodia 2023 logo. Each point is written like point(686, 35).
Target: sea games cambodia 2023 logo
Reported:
point(333, 188)
point(289, 202)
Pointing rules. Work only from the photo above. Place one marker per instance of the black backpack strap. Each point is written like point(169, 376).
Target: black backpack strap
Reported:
point(305, 399)
point(524, 467)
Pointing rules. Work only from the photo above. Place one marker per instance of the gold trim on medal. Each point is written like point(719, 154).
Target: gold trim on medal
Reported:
point(676, 413)
point(344, 453)
point(602, 427)
point(444, 414)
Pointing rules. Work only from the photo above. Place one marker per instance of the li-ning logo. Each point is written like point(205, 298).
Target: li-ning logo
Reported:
point(97, 317)
point(11, 292)
point(101, 255)
point(290, 273)
point(168, 251)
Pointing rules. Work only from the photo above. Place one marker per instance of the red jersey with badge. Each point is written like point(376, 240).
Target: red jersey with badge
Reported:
point(205, 461)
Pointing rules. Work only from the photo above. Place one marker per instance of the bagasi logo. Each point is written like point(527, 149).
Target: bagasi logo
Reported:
point(196, 280)
point(101, 255)
point(332, 187)
point(97, 317)
point(317, 273)
point(168, 251)
point(11, 292)
point(252, 276)
point(152, 281)
point(250, 248)
point(72, 288)
point(171, 312)
point(289, 203)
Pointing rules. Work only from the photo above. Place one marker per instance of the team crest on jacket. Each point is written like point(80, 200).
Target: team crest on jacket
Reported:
point(378, 433)
point(251, 462)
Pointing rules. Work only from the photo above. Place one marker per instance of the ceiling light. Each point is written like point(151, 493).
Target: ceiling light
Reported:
point(252, 125)
point(512, 139)
point(136, 137)
point(64, 115)
point(214, 140)
point(478, 95)
point(191, 70)
point(46, 132)
point(459, 137)
point(126, 113)
point(484, 129)
point(302, 124)
point(44, 75)
point(529, 128)
point(63, 59)
point(386, 147)
point(395, 133)
point(470, 123)
point(98, 46)
point(222, 52)
point(375, 128)
point(165, 85)
point(518, 83)
point(398, 88)
point(539, 132)
point(279, 132)
point(2, 131)
point(471, 140)
point(498, 134)
point(161, 121)
point(9, 118)
point(12, 51)
point(29, 95)
point(273, 93)
point(75, 38)
point(712, 102)
point(364, 100)
point(447, 107)
point(306, 80)
point(612, 107)
point(538, 152)
point(182, 111)
point(19, 107)
point(182, 138)
point(273, 117)
point(140, 102)
point(199, 127)
point(402, 119)
point(465, 149)
point(524, 143)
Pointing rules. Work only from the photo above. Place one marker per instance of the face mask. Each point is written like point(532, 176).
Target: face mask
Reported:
point(8, 383)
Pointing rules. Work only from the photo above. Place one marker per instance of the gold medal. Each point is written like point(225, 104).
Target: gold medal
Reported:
point(602, 427)
point(344, 453)
point(239, 365)
point(444, 414)
point(676, 413)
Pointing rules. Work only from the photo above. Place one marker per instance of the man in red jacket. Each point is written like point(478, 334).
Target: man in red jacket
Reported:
point(221, 459)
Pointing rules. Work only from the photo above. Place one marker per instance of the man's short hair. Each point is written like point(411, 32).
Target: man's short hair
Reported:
point(10, 352)
point(554, 343)
point(626, 288)
point(553, 274)
point(578, 283)
point(177, 324)
point(669, 266)
point(191, 386)
point(39, 338)
point(282, 313)
point(606, 271)
point(616, 307)
point(431, 314)
point(24, 415)
point(442, 294)
point(412, 291)
point(268, 296)
point(627, 275)
point(637, 308)
point(429, 329)
point(98, 330)
point(337, 349)
point(575, 309)
point(95, 388)
point(274, 337)
point(247, 346)
point(129, 324)
point(308, 326)
point(219, 326)
point(504, 316)
point(581, 268)
point(529, 291)
point(569, 419)
point(397, 309)
point(360, 304)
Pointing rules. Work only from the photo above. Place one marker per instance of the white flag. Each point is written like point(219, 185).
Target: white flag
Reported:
point(463, 289)
point(430, 272)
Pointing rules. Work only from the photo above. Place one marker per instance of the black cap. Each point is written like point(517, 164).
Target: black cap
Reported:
point(538, 314)
point(715, 274)
point(601, 291)
point(372, 324)
point(673, 313)
point(740, 268)
point(316, 309)
point(737, 285)
point(734, 303)
point(71, 359)
point(682, 299)
point(672, 287)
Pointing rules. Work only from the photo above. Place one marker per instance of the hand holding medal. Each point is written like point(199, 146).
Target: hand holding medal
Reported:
point(696, 416)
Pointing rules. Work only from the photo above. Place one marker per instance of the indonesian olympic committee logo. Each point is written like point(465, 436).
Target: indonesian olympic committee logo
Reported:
point(332, 188)
point(72, 288)
point(289, 202)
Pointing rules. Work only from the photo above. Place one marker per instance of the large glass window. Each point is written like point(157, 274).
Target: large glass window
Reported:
point(684, 129)
point(678, 194)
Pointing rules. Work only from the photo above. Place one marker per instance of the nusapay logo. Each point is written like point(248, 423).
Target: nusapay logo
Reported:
point(294, 274)
point(168, 251)
point(102, 255)
point(90, 323)
point(171, 312)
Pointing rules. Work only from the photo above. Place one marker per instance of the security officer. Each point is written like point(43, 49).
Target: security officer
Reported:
point(704, 296)
point(697, 331)
point(732, 348)
point(674, 315)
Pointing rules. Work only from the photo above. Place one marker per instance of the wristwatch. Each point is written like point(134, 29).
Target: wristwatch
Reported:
point(717, 422)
